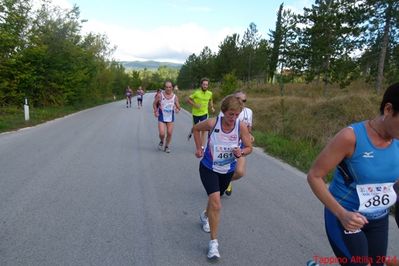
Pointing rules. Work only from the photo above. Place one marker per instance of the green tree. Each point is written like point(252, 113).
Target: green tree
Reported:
point(261, 60)
point(14, 22)
point(249, 43)
point(276, 37)
point(383, 21)
point(43, 56)
point(226, 58)
point(287, 54)
point(206, 64)
point(229, 84)
point(327, 37)
point(188, 75)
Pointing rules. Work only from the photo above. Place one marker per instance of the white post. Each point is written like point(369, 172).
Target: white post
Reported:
point(26, 110)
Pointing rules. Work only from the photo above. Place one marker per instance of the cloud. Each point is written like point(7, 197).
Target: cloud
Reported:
point(164, 43)
point(297, 7)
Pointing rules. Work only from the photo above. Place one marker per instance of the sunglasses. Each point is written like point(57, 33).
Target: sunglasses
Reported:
point(245, 100)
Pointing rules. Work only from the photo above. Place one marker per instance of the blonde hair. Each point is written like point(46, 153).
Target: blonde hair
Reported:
point(231, 102)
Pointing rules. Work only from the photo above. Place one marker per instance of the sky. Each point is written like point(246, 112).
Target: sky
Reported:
point(172, 30)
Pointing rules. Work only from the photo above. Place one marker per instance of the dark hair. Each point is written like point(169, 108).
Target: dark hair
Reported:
point(391, 95)
point(204, 79)
point(167, 81)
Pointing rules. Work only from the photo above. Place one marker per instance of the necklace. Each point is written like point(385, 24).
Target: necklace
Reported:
point(378, 133)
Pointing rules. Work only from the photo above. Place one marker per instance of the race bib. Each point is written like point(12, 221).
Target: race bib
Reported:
point(168, 108)
point(375, 197)
point(223, 155)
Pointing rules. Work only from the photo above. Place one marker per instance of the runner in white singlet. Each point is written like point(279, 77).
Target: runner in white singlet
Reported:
point(219, 161)
point(165, 105)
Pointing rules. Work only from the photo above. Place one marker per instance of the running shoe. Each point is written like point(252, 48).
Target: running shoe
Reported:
point(229, 189)
point(167, 150)
point(204, 222)
point(312, 263)
point(160, 146)
point(213, 252)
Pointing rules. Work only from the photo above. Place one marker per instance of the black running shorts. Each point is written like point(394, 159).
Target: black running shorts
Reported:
point(213, 181)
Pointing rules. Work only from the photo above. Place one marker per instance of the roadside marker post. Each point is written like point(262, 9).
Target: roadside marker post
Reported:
point(26, 109)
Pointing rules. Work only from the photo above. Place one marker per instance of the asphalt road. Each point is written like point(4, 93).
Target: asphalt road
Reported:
point(93, 189)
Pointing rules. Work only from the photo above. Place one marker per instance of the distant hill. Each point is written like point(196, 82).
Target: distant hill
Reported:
point(150, 65)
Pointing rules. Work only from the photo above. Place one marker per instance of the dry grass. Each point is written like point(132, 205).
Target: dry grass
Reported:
point(304, 114)
point(300, 123)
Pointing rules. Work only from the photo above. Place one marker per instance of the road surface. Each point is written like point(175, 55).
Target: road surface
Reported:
point(93, 189)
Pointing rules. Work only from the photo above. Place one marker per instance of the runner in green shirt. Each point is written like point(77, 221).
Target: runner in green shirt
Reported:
point(201, 100)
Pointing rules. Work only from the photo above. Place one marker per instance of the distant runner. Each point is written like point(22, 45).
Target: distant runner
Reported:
point(165, 105)
point(201, 101)
point(128, 94)
point(140, 96)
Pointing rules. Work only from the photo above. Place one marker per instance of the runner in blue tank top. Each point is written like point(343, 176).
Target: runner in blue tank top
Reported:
point(219, 161)
point(365, 156)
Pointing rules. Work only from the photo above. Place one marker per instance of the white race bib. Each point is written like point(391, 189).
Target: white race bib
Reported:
point(168, 108)
point(223, 155)
point(375, 197)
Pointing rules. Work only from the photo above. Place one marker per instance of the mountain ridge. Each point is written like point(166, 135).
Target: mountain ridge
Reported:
point(150, 65)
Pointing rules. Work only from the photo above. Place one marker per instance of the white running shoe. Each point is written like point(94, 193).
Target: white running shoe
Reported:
point(160, 146)
point(204, 222)
point(213, 252)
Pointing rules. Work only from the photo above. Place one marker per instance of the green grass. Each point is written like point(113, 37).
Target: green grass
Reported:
point(13, 118)
point(299, 154)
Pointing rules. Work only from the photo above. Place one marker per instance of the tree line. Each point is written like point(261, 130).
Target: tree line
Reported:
point(44, 57)
point(333, 41)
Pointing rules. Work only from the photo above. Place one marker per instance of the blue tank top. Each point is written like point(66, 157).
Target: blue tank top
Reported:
point(218, 155)
point(367, 165)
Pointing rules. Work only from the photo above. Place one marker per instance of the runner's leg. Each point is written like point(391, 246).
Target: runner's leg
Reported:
point(161, 130)
point(169, 127)
point(213, 212)
point(240, 169)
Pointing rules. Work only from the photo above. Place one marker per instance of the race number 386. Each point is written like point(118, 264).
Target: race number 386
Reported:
point(378, 200)
point(375, 197)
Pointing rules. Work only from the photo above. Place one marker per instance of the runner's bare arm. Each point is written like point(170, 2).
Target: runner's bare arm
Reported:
point(155, 104)
point(177, 104)
point(341, 146)
point(205, 125)
point(246, 140)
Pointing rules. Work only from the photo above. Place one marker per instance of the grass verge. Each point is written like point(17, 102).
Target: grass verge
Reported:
point(13, 118)
point(299, 154)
